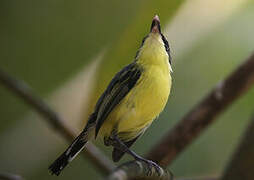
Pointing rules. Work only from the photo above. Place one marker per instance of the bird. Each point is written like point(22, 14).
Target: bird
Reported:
point(135, 97)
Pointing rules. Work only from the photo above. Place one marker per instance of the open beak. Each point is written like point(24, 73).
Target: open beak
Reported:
point(155, 27)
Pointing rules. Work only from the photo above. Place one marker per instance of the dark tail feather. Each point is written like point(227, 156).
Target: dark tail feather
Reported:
point(62, 161)
point(59, 164)
point(77, 145)
point(118, 154)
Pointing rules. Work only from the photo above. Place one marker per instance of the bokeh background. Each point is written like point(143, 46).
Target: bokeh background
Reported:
point(67, 51)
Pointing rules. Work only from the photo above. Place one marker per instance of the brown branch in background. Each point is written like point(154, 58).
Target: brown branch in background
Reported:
point(242, 163)
point(138, 170)
point(8, 176)
point(22, 90)
point(203, 114)
point(199, 178)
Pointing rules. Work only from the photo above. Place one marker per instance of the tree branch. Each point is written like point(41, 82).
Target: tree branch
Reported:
point(22, 90)
point(199, 178)
point(8, 176)
point(138, 170)
point(242, 163)
point(203, 114)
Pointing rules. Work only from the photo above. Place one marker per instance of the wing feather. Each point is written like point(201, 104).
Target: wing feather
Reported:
point(118, 88)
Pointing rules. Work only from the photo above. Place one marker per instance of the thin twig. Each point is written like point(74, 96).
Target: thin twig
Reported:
point(139, 170)
point(203, 114)
point(8, 176)
point(22, 90)
point(242, 163)
point(199, 178)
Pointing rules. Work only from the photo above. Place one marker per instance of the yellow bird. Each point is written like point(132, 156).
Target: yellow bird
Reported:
point(133, 99)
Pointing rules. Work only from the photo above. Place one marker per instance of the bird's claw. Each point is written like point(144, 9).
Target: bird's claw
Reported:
point(152, 164)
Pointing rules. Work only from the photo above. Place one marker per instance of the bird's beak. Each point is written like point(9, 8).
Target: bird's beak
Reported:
point(155, 27)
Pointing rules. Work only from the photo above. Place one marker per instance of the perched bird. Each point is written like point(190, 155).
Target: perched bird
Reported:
point(133, 99)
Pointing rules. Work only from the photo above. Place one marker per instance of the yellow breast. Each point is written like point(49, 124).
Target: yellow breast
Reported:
point(144, 103)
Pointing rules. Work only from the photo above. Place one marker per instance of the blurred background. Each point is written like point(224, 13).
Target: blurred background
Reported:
point(68, 51)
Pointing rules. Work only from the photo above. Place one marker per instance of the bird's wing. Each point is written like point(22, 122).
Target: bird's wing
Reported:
point(118, 88)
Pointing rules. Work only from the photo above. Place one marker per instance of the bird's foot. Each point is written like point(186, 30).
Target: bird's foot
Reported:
point(151, 164)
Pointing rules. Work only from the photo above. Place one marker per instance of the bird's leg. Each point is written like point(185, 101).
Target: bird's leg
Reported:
point(117, 143)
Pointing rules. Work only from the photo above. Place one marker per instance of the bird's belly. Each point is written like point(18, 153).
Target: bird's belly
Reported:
point(140, 107)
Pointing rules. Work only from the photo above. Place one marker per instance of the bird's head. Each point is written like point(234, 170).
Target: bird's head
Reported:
point(155, 43)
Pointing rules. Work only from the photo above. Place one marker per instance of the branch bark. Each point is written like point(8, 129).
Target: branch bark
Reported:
point(25, 92)
point(139, 170)
point(8, 176)
point(203, 114)
point(242, 163)
point(199, 178)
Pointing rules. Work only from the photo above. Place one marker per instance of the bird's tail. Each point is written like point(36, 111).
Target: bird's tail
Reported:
point(77, 145)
